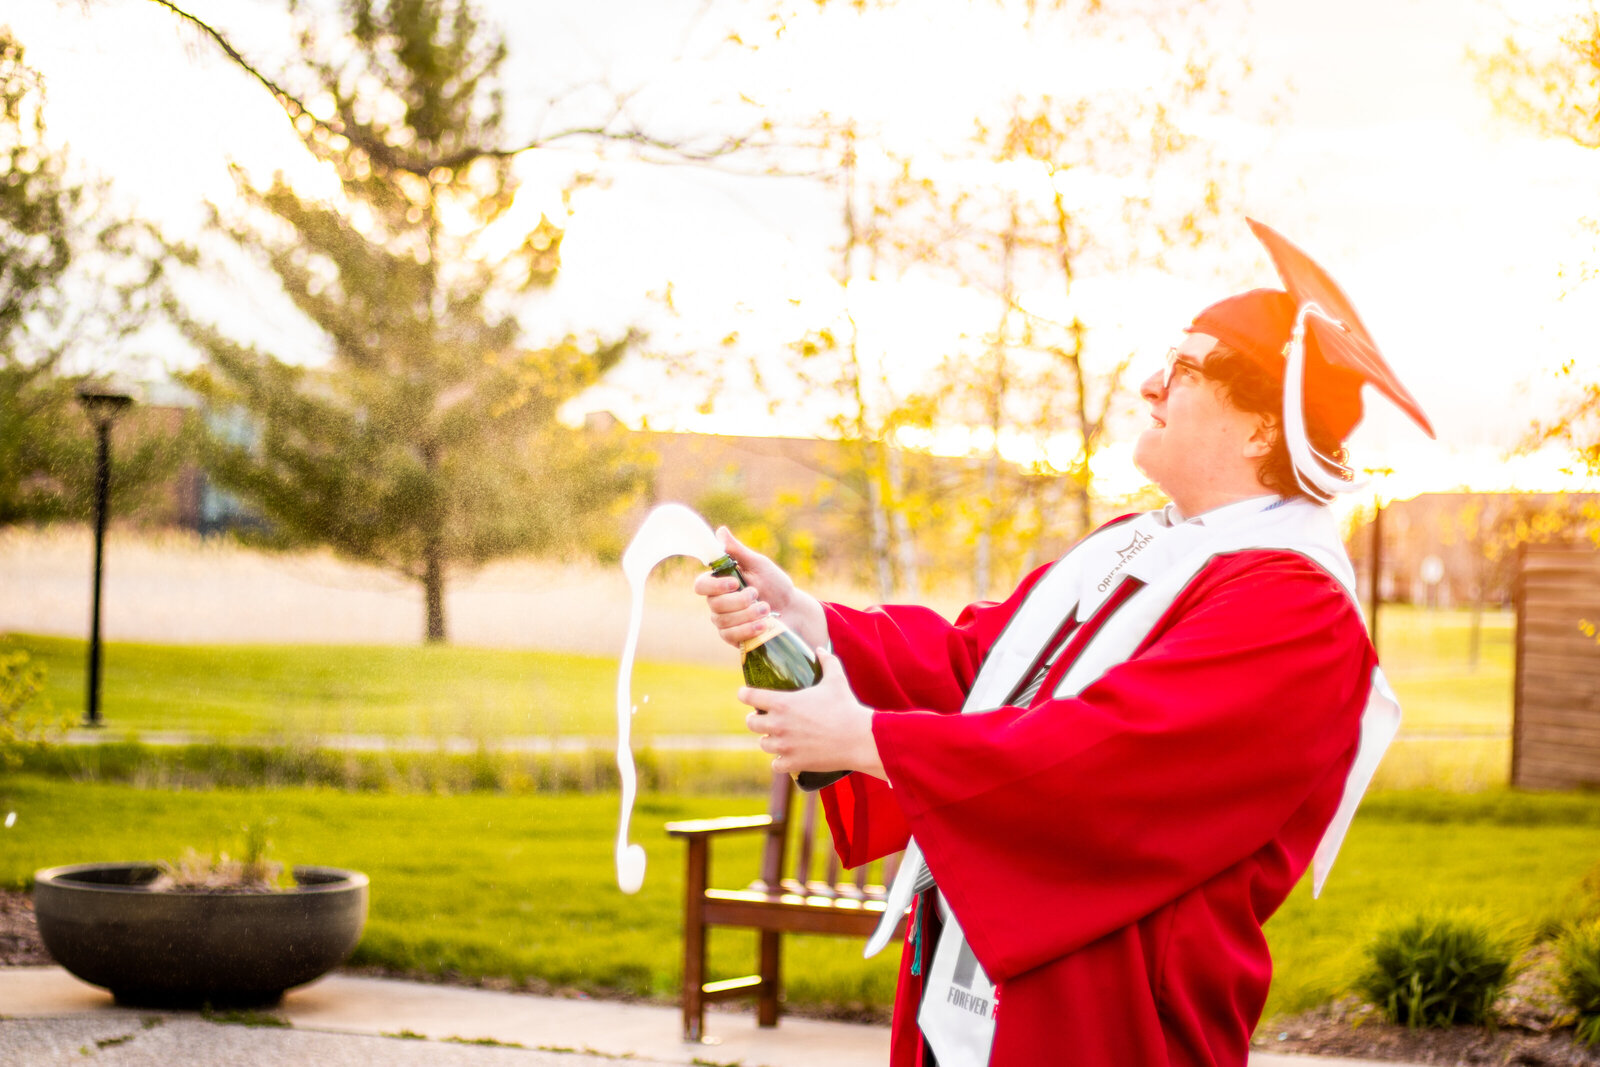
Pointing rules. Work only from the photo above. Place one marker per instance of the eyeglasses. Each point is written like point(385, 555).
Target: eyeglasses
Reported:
point(1176, 360)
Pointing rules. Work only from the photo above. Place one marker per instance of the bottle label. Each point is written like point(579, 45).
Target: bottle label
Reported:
point(774, 628)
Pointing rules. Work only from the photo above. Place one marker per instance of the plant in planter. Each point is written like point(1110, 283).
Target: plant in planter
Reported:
point(204, 930)
point(196, 872)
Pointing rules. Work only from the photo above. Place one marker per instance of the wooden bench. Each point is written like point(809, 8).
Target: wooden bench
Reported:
point(781, 900)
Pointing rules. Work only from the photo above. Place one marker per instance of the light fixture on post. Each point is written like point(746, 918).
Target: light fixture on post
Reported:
point(103, 403)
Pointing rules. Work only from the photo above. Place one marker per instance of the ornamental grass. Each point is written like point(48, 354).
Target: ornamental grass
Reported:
point(1578, 977)
point(1437, 969)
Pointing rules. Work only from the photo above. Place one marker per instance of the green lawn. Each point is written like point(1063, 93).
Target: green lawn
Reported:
point(510, 881)
point(522, 886)
point(1454, 734)
point(302, 691)
point(420, 691)
point(1412, 637)
point(478, 883)
point(1427, 657)
point(1516, 858)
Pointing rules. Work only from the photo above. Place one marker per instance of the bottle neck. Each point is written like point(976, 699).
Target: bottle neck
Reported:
point(726, 567)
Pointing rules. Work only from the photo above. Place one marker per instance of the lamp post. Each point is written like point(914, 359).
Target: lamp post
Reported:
point(103, 404)
point(1375, 588)
point(1374, 577)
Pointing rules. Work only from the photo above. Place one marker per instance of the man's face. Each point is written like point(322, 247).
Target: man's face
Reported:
point(1199, 448)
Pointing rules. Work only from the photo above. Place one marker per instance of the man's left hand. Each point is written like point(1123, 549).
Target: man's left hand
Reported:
point(824, 728)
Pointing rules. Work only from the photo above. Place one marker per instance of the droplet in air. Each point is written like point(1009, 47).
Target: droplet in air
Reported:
point(11, 819)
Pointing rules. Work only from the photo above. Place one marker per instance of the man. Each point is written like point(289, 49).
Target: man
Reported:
point(1157, 734)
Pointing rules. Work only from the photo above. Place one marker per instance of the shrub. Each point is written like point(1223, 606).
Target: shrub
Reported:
point(1576, 907)
point(1578, 976)
point(27, 721)
point(1437, 970)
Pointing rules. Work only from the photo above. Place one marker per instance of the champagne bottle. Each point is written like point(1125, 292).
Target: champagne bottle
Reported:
point(777, 659)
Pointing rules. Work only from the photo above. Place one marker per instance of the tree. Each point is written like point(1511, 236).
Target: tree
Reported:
point(981, 390)
point(1551, 82)
point(75, 282)
point(1114, 183)
point(1135, 142)
point(838, 363)
point(1019, 200)
point(429, 441)
point(1099, 180)
point(1494, 526)
point(1101, 176)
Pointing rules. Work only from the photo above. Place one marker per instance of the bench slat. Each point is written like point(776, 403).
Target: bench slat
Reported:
point(794, 914)
point(732, 824)
point(808, 840)
point(778, 834)
point(733, 987)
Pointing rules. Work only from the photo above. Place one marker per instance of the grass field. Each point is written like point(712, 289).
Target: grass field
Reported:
point(478, 884)
point(521, 886)
point(1427, 657)
point(479, 868)
point(1456, 726)
point(297, 691)
point(420, 691)
point(1518, 859)
point(1454, 736)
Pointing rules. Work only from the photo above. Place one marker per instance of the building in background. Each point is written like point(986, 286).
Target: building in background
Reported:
point(1458, 549)
point(806, 498)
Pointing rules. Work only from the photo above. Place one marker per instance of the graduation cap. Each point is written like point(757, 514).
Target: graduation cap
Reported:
point(1311, 339)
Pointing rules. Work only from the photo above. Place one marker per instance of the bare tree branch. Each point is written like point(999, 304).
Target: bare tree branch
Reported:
point(286, 99)
point(609, 129)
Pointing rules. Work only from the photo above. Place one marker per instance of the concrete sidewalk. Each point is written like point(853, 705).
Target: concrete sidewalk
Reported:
point(47, 1018)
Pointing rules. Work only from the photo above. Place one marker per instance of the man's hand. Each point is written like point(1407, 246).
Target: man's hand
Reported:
point(824, 728)
point(740, 614)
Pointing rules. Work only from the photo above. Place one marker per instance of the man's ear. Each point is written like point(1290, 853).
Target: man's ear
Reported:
point(1259, 444)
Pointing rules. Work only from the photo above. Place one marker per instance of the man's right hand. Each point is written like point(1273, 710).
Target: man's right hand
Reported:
point(740, 614)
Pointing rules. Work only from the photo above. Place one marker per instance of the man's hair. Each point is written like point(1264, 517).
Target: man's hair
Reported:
point(1250, 388)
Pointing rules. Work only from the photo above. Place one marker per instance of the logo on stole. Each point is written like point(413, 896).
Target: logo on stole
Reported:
point(1140, 542)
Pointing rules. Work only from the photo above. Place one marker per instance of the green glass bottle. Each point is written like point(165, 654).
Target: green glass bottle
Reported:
point(777, 659)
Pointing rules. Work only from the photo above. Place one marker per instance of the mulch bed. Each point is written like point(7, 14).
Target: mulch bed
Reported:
point(1351, 1029)
point(19, 934)
point(1532, 1030)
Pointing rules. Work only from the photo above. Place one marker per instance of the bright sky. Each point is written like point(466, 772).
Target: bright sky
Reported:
point(1455, 234)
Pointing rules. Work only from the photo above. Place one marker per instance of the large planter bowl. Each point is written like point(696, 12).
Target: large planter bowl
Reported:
point(102, 922)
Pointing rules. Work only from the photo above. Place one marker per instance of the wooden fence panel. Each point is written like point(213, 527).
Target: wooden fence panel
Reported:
point(1555, 735)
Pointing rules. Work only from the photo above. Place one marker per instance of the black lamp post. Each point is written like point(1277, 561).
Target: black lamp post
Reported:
point(103, 404)
point(1375, 586)
point(1375, 576)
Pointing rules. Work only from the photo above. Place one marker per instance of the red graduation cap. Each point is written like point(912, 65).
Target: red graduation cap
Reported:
point(1312, 340)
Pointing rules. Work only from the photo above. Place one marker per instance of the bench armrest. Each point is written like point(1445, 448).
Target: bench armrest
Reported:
point(692, 828)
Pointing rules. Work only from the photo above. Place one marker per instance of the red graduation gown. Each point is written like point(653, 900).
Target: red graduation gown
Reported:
point(1113, 856)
